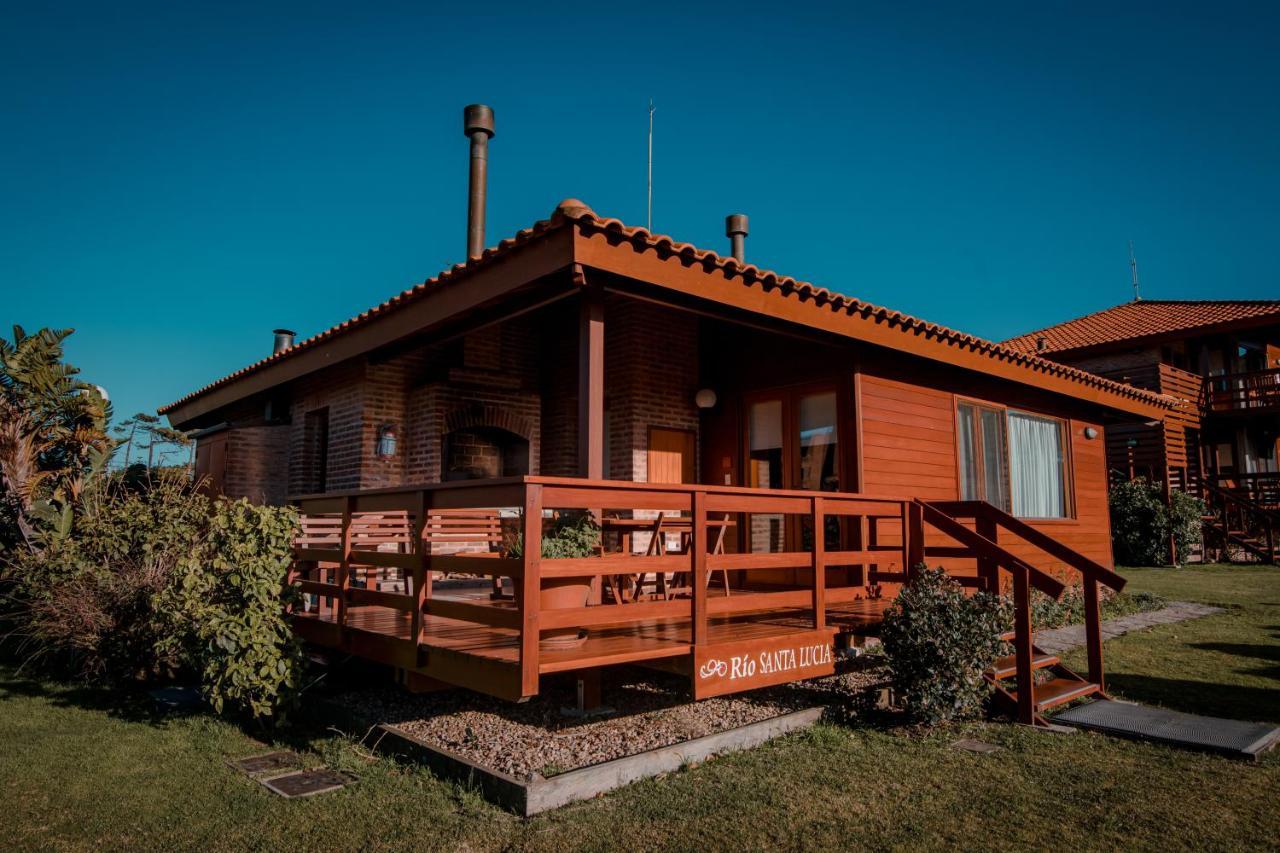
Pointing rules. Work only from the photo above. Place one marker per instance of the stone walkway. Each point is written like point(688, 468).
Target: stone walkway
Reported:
point(1059, 640)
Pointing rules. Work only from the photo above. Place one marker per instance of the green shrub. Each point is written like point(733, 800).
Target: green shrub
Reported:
point(229, 610)
point(1186, 519)
point(938, 642)
point(1047, 613)
point(85, 603)
point(1143, 526)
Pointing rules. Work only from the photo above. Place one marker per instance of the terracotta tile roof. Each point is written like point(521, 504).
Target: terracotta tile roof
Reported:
point(457, 271)
point(1143, 319)
point(576, 212)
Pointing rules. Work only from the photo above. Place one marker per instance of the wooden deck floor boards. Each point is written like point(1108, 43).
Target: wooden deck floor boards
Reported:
point(650, 639)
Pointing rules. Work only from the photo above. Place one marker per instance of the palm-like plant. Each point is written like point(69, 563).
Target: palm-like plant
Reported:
point(52, 432)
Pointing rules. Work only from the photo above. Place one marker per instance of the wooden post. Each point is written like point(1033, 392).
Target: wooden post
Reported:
point(591, 400)
point(421, 568)
point(698, 568)
point(530, 590)
point(988, 571)
point(913, 547)
point(591, 385)
point(819, 517)
point(1022, 642)
point(344, 566)
point(1093, 630)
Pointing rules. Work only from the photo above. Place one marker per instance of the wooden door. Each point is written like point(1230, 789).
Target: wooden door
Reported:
point(672, 455)
point(211, 463)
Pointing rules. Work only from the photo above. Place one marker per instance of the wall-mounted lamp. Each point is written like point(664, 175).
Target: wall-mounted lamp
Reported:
point(1090, 433)
point(1133, 442)
point(386, 441)
point(705, 399)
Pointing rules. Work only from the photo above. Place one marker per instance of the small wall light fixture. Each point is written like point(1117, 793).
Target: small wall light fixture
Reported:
point(1133, 442)
point(1090, 433)
point(386, 441)
point(705, 398)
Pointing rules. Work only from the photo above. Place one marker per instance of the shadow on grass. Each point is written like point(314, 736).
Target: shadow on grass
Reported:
point(1254, 704)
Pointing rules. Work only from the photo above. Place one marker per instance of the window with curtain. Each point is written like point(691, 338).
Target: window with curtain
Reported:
point(1037, 467)
point(1014, 460)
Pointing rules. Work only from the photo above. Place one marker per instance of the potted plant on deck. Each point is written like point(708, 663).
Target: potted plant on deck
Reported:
point(569, 534)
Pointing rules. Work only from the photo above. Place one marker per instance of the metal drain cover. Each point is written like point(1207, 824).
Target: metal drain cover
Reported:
point(272, 762)
point(307, 783)
point(1213, 734)
point(969, 745)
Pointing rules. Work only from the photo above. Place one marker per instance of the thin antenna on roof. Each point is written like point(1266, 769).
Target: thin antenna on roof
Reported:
point(649, 217)
point(1133, 266)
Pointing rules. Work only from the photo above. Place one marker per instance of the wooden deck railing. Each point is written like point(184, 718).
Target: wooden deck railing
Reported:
point(365, 560)
point(348, 534)
point(1258, 390)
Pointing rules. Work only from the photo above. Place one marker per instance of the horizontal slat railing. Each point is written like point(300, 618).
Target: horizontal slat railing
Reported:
point(363, 534)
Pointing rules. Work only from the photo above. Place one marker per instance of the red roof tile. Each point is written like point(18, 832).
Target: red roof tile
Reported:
point(1142, 319)
point(576, 212)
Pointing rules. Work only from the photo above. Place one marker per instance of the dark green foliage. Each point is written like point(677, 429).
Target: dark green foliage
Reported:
point(570, 534)
point(52, 438)
point(229, 604)
point(938, 642)
point(1047, 613)
point(1186, 513)
point(85, 604)
point(1142, 526)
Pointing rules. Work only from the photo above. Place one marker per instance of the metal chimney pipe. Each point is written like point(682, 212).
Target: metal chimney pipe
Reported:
point(735, 228)
point(477, 123)
point(284, 340)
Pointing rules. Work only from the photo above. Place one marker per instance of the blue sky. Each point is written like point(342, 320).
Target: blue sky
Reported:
point(178, 179)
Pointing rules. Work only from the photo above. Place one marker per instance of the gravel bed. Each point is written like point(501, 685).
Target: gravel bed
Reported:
point(650, 710)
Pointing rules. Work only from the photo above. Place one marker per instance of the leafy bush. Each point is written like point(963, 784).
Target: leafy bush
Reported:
point(229, 608)
point(1142, 526)
point(1047, 613)
point(1186, 520)
point(938, 642)
point(85, 603)
point(570, 534)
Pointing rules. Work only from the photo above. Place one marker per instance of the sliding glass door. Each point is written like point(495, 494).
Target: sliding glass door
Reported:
point(792, 442)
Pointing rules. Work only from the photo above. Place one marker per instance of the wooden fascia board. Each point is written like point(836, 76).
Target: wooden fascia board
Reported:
point(536, 259)
point(673, 272)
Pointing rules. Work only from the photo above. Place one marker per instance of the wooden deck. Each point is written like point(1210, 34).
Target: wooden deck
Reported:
point(425, 580)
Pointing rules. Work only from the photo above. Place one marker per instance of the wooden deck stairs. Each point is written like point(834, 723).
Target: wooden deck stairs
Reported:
point(1028, 682)
point(1236, 524)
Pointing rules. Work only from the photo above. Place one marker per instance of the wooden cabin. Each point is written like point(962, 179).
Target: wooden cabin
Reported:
point(1221, 359)
point(766, 461)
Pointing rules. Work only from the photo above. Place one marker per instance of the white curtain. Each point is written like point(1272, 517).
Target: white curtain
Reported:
point(1036, 475)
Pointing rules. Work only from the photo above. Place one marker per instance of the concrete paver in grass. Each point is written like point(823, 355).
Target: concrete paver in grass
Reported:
point(1058, 640)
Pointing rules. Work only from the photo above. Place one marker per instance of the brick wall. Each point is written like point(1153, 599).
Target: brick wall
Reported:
point(650, 378)
point(340, 390)
point(258, 463)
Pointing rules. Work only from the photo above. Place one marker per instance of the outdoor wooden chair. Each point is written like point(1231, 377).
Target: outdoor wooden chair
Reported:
point(466, 532)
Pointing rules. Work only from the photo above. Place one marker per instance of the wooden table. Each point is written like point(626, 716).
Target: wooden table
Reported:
point(630, 587)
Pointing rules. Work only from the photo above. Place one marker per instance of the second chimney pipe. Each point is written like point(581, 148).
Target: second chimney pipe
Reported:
point(735, 228)
point(477, 123)
point(283, 340)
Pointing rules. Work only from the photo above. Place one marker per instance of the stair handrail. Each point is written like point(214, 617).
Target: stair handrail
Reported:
point(1038, 538)
point(1247, 503)
point(1042, 581)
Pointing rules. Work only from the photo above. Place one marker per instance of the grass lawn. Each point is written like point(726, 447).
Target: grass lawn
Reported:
point(82, 769)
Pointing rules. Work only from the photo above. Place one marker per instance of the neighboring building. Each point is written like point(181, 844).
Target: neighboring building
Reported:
point(676, 384)
point(1221, 357)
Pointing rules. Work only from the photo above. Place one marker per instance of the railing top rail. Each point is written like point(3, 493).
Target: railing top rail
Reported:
point(1244, 374)
point(603, 485)
point(1043, 541)
point(1046, 583)
point(1231, 496)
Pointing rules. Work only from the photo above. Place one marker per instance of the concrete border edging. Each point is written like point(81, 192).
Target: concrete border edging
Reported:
point(536, 795)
